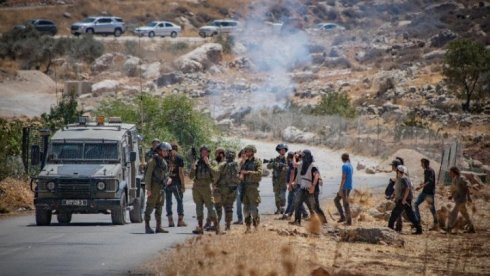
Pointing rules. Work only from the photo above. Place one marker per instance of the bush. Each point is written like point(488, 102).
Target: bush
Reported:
point(64, 113)
point(172, 118)
point(335, 103)
point(227, 41)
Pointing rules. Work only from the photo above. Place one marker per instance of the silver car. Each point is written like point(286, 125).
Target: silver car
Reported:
point(99, 25)
point(159, 28)
point(219, 27)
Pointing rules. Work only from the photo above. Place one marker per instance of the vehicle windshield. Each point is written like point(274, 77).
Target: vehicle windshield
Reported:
point(88, 20)
point(81, 151)
point(152, 24)
point(214, 23)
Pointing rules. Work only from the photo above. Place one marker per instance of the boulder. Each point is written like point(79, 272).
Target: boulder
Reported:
point(370, 170)
point(104, 86)
point(442, 38)
point(383, 235)
point(373, 212)
point(131, 66)
point(151, 71)
point(476, 163)
point(436, 54)
point(385, 206)
point(294, 135)
point(200, 58)
point(169, 79)
point(360, 165)
point(107, 61)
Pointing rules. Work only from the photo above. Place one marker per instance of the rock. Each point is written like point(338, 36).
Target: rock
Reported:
point(225, 124)
point(169, 79)
point(360, 165)
point(67, 15)
point(104, 86)
point(372, 236)
point(442, 38)
point(476, 163)
point(294, 135)
point(266, 172)
point(238, 115)
point(385, 206)
point(78, 87)
point(151, 71)
point(388, 106)
point(106, 61)
point(200, 58)
point(337, 62)
point(370, 170)
point(436, 54)
point(131, 66)
point(373, 212)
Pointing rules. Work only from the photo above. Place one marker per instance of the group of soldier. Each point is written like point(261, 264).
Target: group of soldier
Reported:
point(219, 182)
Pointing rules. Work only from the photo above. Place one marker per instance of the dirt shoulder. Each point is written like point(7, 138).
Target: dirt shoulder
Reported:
point(16, 197)
point(280, 249)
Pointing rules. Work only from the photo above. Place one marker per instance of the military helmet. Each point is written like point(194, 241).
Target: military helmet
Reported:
point(218, 151)
point(203, 147)
point(164, 146)
point(230, 155)
point(281, 146)
point(251, 148)
point(395, 163)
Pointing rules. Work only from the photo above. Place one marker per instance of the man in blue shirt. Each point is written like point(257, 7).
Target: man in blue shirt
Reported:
point(344, 191)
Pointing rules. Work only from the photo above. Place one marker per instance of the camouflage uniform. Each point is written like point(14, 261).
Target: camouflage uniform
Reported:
point(155, 179)
point(225, 188)
point(279, 170)
point(251, 195)
point(201, 190)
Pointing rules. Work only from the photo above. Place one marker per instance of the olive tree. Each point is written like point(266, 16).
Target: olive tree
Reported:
point(466, 67)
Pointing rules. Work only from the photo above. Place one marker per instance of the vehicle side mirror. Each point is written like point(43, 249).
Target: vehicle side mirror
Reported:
point(132, 156)
point(35, 155)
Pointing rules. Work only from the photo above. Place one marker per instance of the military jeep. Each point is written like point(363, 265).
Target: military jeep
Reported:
point(90, 168)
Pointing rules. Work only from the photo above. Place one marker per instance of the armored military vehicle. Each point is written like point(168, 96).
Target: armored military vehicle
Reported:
point(88, 168)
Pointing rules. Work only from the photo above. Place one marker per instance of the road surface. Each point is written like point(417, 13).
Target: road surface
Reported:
point(91, 245)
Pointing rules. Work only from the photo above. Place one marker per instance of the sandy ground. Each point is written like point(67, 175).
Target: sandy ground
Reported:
point(30, 94)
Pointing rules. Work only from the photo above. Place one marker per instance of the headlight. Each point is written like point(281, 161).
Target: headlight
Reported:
point(100, 185)
point(50, 186)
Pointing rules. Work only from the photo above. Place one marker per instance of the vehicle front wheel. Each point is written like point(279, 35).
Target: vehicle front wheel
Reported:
point(43, 217)
point(151, 34)
point(202, 34)
point(117, 32)
point(173, 34)
point(136, 214)
point(64, 217)
point(118, 215)
point(89, 31)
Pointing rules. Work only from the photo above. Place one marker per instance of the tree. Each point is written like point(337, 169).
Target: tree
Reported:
point(467, 63)
point(335, 103)
point(64, 113)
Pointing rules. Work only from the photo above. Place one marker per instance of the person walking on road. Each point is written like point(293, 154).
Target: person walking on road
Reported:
point(344, 191)
point(460, 193)
point(176, 188)
point(156, 178)
point(428, 191)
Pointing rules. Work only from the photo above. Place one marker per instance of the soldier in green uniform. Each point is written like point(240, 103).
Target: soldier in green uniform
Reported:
point(279, 170)
point(219, 158)
point(251, 174)
point(156, 178)
point(151, 152)
point(202, 173)
point(228, 178)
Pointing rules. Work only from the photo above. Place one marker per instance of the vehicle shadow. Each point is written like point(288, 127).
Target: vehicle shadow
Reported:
point(76, 224)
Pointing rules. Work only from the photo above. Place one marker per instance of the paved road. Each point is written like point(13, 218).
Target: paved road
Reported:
point(130, 37)
point(91, 245)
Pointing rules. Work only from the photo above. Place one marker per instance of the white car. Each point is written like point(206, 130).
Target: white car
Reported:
point(159, 28)
point(216, 27)
point(328, 27)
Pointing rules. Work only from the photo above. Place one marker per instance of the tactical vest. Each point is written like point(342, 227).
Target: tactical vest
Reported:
point(251, 165)
point(159, 175)
point(203, 171)
point(305, 181)
point(230, 175)
point(280, 168)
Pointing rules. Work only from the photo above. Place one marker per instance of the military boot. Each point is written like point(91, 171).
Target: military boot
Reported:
point(256, 222)
point(208, 226)
point(148, 229)
point(181, 222)
point(217, 227)
point(228, 226)
point(198, 230)
point(171, 221)
point(159, 228)
point(248, 222)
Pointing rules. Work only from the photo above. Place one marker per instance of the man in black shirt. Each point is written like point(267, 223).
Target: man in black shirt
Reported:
point(176, 188)
point(428, 190)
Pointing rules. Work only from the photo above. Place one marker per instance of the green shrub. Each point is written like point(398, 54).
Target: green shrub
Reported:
point(335, 103)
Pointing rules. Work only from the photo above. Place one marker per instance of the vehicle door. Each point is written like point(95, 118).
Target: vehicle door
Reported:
point(43, 26)
point(103, 25)
point(160, 29)
point(169, 28)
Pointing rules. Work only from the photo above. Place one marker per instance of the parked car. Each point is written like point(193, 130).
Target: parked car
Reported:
point(99, 25)
point(159, 28)
point(42, 25)
point(219, 27)
point(329, 27)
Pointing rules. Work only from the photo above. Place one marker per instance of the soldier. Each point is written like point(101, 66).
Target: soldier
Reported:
point(219, 158)
point(239, 213)
point(176, 188)
point(202, 173)
point(225, 189)
point(251, 174)
point(279, 171)
point(156, 178)
point(460, 193)
point(403, 200)
point(151, 152)
point(428, 191)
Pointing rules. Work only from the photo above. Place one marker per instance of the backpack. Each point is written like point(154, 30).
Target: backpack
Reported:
point(231, 174)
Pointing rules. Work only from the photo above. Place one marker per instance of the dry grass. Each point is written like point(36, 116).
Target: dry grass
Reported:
point(267, 252)
point(15, 195)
